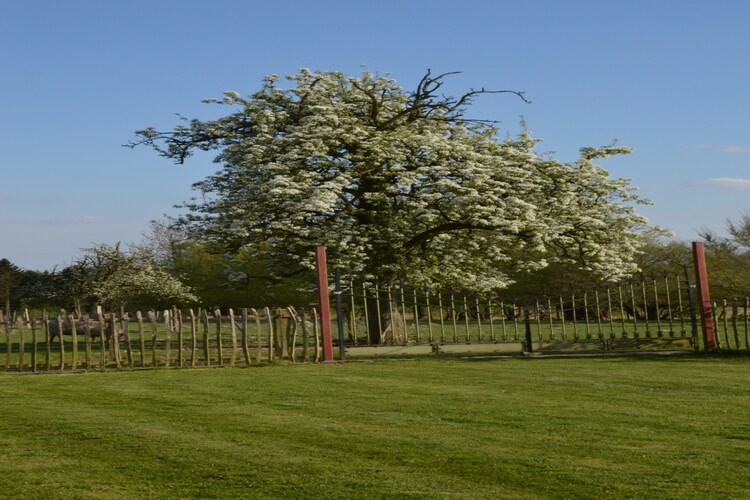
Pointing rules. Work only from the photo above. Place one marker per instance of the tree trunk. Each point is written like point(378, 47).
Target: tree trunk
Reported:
point(384, 322)
point(375, 319)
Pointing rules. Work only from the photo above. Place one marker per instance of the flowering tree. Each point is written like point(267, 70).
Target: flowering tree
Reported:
point(399, 183)
point(728, 258)
point(108, 275)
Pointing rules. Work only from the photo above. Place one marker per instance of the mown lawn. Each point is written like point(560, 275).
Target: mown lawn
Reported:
point(504, 428)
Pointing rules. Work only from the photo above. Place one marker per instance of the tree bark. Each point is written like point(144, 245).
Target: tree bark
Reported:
point(384, 321)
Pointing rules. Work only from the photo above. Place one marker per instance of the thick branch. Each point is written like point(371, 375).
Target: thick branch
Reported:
point(448, 227)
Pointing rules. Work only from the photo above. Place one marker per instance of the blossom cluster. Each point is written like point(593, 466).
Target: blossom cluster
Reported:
point(400, 184)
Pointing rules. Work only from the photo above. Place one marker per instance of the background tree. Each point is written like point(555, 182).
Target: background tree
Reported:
point(10, 279)
point(45, 289)
point(107, 275)
point(728, 259)
point(85, 275)
point(398, 184)
point(163, 242)
point(242, 279)
point(222, 279)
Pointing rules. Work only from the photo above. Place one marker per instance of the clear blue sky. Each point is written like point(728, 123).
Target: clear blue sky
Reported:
point(670, 78)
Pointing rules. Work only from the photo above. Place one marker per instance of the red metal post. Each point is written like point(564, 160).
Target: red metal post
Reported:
point(704, 298)
point(325, 307)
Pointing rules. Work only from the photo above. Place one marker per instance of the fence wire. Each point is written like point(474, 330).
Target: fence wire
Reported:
point(371, 312)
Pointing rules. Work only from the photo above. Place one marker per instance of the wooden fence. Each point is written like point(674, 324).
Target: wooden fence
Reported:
point(166, 339)
point(372, 319)
point(731, 321)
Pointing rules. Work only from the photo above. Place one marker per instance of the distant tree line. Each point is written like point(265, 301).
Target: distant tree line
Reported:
point(167, 267)
point(164, 269)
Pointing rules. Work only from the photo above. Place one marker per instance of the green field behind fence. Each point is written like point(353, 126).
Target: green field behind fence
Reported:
point(628, 427)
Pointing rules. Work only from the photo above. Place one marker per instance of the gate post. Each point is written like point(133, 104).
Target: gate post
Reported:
point(704, 298)
point(321, 267)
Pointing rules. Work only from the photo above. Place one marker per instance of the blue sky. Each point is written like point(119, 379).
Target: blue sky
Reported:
point(669, 78)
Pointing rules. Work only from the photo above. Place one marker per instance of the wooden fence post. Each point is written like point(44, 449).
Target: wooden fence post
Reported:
point(193, 341)
point(141, 337)
point(206, 348)
point(269, 317)
point(323, 300)
point(245, 333)
point(21, 344)
point(704, 297)
point(258, 335)
point(304, 335)
point(292, 341)
point(115, 339)
point(154, 334)
point(167, 337)
point(317, 335)
point(47, 348)
point(177, 318)
point(125, 327)
point(34, 341)
point(219, 345)
point(61, 342)
point(233, 329)
point(280, 339)
point(8, 343)
point(102, 338)
point(87, 341)
point(74, 343)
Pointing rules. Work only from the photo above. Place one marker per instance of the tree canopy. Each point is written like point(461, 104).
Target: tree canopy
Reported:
point(728, 258)
point(133, 278)
point(10, 278)
point(398, 184)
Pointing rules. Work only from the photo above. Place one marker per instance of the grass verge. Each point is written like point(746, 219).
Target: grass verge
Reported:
point(511, 428)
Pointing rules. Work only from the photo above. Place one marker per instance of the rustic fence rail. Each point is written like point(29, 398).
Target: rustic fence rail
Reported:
point(732, 324)
point(167, 339)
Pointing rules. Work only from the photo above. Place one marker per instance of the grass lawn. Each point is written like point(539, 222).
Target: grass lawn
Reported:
point(504, 428)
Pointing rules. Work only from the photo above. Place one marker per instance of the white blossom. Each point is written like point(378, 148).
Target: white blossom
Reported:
point(400, 184)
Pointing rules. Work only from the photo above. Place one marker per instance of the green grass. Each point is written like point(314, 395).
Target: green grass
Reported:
point(510, 330)
point(511, 428)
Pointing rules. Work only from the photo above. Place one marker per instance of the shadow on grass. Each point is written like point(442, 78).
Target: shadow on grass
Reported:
point(667, 356)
